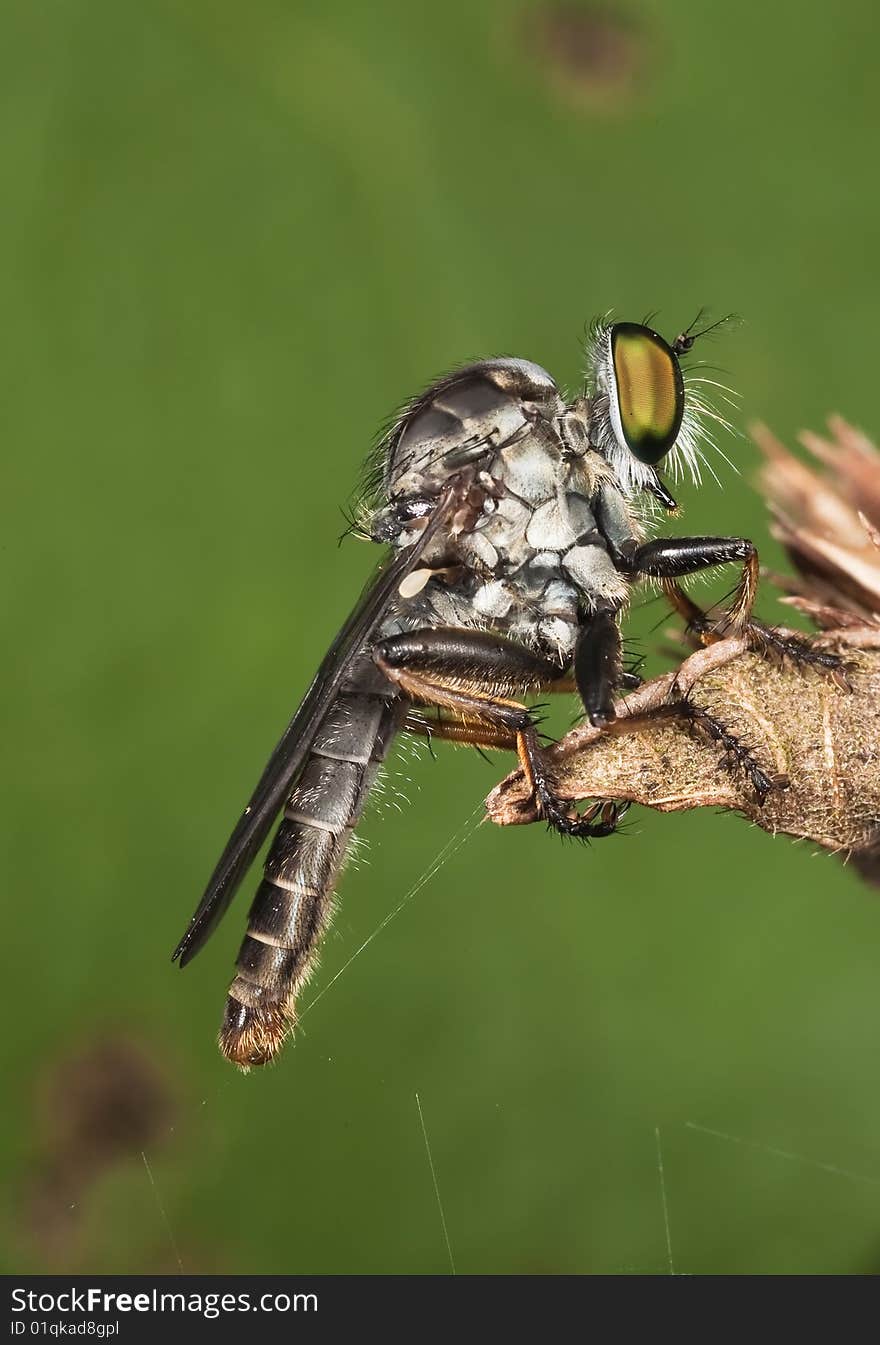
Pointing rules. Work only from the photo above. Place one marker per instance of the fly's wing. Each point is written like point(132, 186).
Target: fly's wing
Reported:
point(287, 759)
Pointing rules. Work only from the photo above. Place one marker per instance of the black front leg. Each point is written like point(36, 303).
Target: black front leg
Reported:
point(670, 558)
point(597, 666)
point(673, 557)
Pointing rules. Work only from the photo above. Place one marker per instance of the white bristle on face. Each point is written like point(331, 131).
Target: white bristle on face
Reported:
point(687, 457)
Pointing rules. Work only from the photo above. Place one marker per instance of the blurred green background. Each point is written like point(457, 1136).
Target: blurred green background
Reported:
point(233, 238)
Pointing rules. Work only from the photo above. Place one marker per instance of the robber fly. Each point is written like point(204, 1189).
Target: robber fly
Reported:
point(517, 527)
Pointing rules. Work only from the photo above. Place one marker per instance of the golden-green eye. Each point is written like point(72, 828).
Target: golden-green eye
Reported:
point(646, 391)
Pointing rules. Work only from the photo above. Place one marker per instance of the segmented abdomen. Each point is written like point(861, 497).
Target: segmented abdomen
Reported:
point(294, 902)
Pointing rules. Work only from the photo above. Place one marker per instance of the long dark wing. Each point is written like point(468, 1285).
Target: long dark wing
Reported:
point(287, 759)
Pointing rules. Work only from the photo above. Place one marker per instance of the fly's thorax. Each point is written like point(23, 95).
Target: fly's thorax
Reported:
point(456, 423)
point(527, 571)
point(541, 606)
point(527, 555)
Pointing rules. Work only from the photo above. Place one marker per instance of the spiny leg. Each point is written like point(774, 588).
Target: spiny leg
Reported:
point(459, 731)
point(471, 734)
point(585, 825)
point(771, 643)
point(671, 558)
point(449, 668)
point(699, 721)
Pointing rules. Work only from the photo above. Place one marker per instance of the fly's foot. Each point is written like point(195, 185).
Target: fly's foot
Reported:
point(798, 651)
point(600, 819)
point(737, 754)
point(775, 645)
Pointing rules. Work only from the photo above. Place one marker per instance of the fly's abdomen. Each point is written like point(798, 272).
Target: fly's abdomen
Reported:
point(294, 902)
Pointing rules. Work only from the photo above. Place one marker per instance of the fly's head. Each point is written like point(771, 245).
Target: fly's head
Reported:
point(645, 409)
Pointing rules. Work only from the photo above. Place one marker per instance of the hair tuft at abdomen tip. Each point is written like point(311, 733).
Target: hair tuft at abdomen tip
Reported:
point(254, 1036)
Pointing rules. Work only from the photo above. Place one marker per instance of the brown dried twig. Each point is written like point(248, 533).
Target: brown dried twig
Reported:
point(818, 740)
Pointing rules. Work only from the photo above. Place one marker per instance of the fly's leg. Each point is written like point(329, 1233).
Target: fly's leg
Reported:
point(698, 721)
point(671, 558)
point(499, 739)
point(597, 667)
point(460, 731)
point(470, 734)
point(467, 672)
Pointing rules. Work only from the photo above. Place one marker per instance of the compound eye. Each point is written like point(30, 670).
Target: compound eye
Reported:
point(646, 391)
